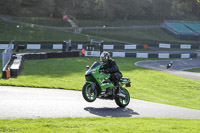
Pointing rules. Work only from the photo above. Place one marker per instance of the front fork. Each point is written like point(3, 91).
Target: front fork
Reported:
point(115, 89)
point(93, 86)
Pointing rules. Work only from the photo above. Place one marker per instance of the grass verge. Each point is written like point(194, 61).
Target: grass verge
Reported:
point(149, 85)
point(140, 36)
point(118, 23)
point(94, 125)
point(9, 31)
point(59, 22)
point(197, 70)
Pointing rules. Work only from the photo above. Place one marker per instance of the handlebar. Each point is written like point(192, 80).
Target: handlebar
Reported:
point(104, 71)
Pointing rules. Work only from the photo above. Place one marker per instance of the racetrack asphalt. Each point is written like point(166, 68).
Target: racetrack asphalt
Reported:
point(177, 67)
point(24, 102)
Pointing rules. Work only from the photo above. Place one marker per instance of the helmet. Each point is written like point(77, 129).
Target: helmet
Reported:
point(104, 57)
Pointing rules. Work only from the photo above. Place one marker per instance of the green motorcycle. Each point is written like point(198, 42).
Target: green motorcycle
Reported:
point(98, 85)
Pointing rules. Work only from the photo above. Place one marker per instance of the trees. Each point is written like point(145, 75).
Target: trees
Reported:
point(103, 9)
point(161, 8)
point(10, 6)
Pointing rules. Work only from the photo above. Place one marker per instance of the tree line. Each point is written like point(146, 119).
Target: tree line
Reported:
point(103, 9)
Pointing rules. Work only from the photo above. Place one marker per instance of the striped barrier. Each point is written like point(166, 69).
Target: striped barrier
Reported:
point(112, 46)
point(4, 46)
point(77, 46)
point(144, 55)
point(33, 46)
point(178, 46)
point(107, 46)
point(57, 46)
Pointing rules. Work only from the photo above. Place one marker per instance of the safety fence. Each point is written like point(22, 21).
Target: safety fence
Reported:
point(59, 46)
point(93, 45)
point(7, 55)
point(182, 55)
point(174, 46)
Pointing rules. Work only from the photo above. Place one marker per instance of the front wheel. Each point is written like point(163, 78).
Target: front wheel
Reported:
point(88, 94)
point(123, 102)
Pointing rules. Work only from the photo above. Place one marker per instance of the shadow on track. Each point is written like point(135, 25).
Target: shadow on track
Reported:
point(111, 112)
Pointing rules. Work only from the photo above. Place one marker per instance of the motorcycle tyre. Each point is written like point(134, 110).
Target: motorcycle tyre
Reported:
point(85, 87)
point(118, 102)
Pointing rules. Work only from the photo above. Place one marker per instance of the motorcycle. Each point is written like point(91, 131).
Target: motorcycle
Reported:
point(99, 85)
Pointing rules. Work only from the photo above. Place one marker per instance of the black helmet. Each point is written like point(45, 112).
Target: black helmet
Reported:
point(104, 57)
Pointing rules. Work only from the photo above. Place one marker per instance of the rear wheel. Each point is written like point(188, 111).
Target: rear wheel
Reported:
point(88, 94)
point(123, 102)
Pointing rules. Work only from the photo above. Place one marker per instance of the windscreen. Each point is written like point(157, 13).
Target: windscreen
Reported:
point(95, 64)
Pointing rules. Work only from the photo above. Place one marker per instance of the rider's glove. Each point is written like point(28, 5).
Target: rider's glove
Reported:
point(101, 69)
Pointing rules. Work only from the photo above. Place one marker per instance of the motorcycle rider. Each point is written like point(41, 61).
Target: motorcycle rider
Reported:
point(110, 66)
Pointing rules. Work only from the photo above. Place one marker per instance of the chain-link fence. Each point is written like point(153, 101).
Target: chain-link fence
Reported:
point(7, 55)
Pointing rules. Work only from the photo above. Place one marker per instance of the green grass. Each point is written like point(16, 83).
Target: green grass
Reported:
point(140, 36)
point(117, 23)
point(149, 85)
point(0, 65)
point(8, 31)
point(197, 70)
point(93, 125)
point(59, 22)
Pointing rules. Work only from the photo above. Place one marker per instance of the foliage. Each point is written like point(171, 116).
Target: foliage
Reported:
point(103, 9)
point(149, 85)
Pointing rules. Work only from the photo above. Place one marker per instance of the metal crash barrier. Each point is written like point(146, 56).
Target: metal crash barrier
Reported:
point(6, 58)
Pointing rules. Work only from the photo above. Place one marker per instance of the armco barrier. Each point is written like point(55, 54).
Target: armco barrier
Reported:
point(144, 55)
point(177, 46)
point(78, 46)
point(107, 45)
point(17, 62)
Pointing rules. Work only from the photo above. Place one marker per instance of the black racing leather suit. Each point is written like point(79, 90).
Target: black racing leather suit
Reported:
point(112, 68)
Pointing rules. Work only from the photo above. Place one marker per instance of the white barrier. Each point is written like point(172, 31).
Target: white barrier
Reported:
point(92, 53)
point(163, 45)
point(108, 46)
point(130, 46)
point(185, 56)
point(185, 46)
point(163, 55)
point(80, 46)
point(118, 54)
point(33, 46)
point(57, 46)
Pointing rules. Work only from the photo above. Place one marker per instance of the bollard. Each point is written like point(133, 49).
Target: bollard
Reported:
point(8, 74)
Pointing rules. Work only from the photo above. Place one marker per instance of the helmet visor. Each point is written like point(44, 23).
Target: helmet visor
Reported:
point(103, 59)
